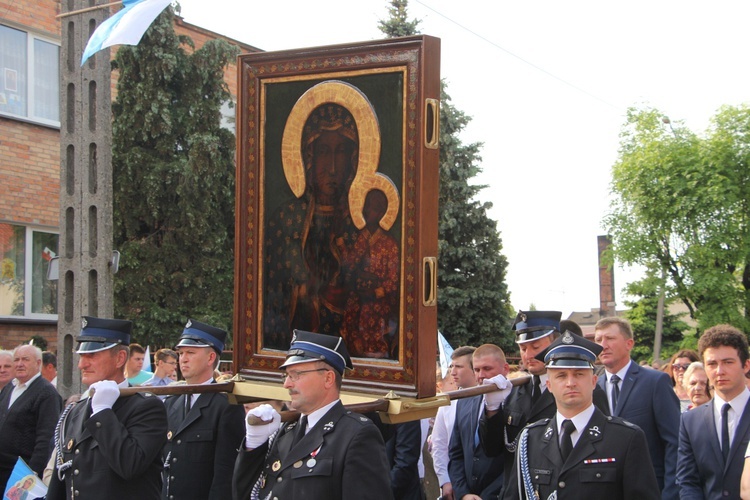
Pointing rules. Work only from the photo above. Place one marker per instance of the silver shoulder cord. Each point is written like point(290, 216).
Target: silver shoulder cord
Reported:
point(255, 493)
point(59, 432)
point(524, 475)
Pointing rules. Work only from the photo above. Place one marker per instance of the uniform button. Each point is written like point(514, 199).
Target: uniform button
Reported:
point(197, 435)
point(598, 474)
point(76, 472)
point(76, 493)
point(476, 459)
point(78, 451)
point(98, 424)
point(171, 497)
point(174, 460)
point(171, 478)
point(536, 477)
point(725, 493)
point(179, 441)
point(278, 479)
point(561, 484)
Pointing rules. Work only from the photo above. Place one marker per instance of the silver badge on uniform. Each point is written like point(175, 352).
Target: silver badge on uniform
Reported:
point(548, 433)
point(328, 426)
point(567, 338)
point(594, 431)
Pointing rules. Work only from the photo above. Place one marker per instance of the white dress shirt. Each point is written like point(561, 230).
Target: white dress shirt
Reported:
point(19, 388)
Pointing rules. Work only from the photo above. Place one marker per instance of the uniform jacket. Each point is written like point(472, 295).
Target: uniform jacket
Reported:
point(201, 447)
point(517, 412)
point(403, 450)
point(701, 471)
point(349, 462)
point(609, 461)
point(26, 428)
point(470, 469)
point(648, 400)
point(115, 453)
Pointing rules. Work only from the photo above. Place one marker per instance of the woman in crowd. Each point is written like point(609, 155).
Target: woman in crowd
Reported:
point(695, 384)
point(676, 369)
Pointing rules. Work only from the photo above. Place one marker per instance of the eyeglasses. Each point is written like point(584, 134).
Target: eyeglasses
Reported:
point(295, 375)
point(173, 363)
point(678, 366)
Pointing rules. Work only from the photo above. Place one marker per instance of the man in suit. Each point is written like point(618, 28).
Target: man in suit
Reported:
point(714, 436)
point(204, 429)
point(473, 474)
point(580, 452)
point(535, 331)
point(108, 446)
point(29, 407)
point(641, 396)
point(462, 373)
point(403, 449)
point(330, 453)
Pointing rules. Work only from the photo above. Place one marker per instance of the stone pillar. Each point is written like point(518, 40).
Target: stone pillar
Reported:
point(86, 285)
point(607, 304)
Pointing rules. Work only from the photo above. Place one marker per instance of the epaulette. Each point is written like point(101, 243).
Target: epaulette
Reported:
point(539, 423)
point(358, 417)
point(620, 421)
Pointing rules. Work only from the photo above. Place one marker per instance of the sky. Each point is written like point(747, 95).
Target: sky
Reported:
point(547, 84)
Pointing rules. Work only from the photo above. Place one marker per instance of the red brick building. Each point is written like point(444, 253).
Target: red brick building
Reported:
point(30, 162)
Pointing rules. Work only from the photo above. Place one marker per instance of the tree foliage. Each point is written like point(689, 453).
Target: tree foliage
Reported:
point(681, 209)
point(473, 298)
point(173, 177)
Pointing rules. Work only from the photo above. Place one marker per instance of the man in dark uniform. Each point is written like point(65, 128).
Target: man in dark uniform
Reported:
point(331, 453)
point(108, 446)
point(535, 331)
point(204, 429)
point(580, 452)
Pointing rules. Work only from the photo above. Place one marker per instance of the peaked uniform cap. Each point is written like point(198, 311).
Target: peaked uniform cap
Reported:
point(533, 325)
point(99, 334)
point(570, 351)
point(197, 334)
point(309, 346)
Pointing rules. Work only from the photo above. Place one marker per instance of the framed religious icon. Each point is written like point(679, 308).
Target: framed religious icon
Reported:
point(337, 199)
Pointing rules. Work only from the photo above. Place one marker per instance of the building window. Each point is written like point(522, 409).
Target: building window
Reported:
point(29, 76)
point(25, 290)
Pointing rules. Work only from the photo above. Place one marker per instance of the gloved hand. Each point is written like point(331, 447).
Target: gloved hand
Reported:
point(493, 400)
point(106, 393)
point(260, 423)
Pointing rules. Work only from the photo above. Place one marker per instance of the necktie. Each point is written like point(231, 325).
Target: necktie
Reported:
point(566, 443)
point(188, 400)
point(537, 390)
point(615, 380)
point(300, 430)
point(725, 431)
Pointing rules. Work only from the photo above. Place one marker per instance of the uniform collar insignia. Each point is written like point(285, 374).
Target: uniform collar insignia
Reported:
point(548, 433)
point(594, 431)
point(328, 426)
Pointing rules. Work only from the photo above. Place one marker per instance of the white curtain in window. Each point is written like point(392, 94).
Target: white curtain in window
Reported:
point(46, 81)
point(13, 76)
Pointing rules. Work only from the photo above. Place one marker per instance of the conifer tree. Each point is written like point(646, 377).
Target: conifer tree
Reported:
point(173, 177)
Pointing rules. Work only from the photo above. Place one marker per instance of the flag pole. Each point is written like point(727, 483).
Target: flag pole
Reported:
point(88, 9)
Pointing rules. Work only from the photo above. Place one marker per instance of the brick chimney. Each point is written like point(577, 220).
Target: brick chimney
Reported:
point(607, 305)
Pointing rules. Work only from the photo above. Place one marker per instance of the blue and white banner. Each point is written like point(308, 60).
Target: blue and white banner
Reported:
point(445, 350)
point(126, 27)
point(23, 484)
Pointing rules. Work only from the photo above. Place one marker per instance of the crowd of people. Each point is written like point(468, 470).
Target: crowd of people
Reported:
point(585, 421)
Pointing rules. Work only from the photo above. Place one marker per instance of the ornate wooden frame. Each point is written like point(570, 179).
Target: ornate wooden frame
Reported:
point(392, 88)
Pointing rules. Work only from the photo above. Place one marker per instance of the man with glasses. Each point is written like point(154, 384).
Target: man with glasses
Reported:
point(204, 429)
point(330, 453)
point(166, 364)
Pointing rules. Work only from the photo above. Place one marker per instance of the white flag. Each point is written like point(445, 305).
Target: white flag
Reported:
point(126, 27)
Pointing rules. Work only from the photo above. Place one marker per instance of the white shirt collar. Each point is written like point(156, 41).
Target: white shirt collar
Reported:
point(314, 417)
point(580, 421)
point(620, 373)
point(737, 404)
point(17, 382)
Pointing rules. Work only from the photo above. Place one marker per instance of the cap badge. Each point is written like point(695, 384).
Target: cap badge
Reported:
point(294, 336)
point(567, 338)
point(188, 324)
point(84, 323)
point(522, 316)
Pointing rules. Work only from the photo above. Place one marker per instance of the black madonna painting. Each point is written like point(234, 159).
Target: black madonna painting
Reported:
point(337, 207)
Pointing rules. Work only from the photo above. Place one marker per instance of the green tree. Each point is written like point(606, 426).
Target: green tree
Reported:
point(173, 176)
point(681, 210)
point(473, 298)
point(642, 317)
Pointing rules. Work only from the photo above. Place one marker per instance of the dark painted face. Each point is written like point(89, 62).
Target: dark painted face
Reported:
point(375, 207)
point(332, 163)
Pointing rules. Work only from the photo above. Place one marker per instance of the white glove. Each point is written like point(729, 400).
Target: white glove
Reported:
point(260, 423)
point(493, 400)
point(106, 393)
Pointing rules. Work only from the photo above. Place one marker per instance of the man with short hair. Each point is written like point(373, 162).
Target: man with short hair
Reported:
point(135, 372)
point(29, 407)
point(7, 372)
point(166, 364)
point(108, 446)
point(330, 453)
point(49, 367)
point(473, 474)
point(641, 396)
point(714, 436)
point(204, 429)
point(462, 373)
point(579, 452)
